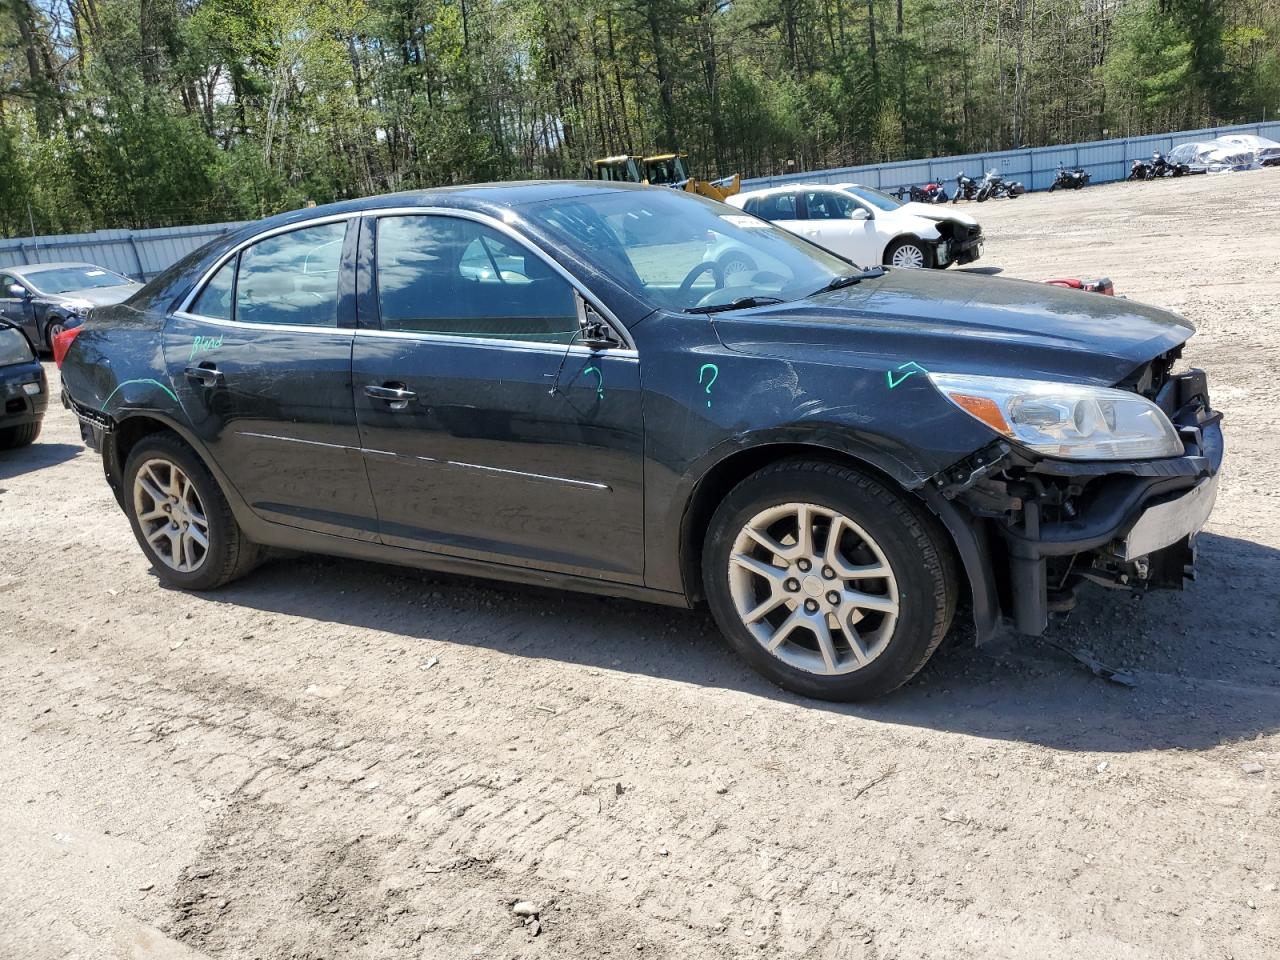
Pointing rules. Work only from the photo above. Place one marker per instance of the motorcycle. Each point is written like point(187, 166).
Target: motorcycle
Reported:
point(929, 193)
point(1162, 167)
point(994, 185)
point(966, 188)
point(1069, 179)
point(1157, 166)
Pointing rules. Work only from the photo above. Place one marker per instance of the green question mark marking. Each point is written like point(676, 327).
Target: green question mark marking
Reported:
point(600, 384)
point(715, 372)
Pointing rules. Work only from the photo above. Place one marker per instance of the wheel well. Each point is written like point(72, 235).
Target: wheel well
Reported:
point(123, 439)
point(731, 471)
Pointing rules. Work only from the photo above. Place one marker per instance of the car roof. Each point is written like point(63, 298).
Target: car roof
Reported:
point(474, 196)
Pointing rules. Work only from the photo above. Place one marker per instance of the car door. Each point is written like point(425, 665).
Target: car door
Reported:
point(842, 225)
point(489, 432)
point(19, 310)
point(261, 362)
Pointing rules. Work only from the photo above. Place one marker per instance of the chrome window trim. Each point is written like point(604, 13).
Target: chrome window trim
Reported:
point(246, 325)
point(502, 226)
point(184, 307)
point(536, 346)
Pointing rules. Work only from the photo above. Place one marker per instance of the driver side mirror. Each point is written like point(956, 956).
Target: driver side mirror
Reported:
point(858, 213)
point(17, 290)
point(596, 331)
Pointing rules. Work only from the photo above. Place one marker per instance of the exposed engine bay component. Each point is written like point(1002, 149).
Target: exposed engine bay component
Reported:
point(1059, 523)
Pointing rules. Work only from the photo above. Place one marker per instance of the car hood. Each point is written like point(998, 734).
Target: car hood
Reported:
point(100, 296)
point(962, 323)
point(934, 211)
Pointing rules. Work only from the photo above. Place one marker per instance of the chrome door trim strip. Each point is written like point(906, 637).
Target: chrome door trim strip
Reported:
point(245, 325)
point(556, 349)
point(588, 484)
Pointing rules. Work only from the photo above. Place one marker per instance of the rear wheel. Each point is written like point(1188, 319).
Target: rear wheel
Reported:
point(21, 436)
point(180, 517)
point(908, 252)
point(826, 581)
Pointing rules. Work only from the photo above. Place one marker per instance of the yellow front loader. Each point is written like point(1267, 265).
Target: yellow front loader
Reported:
point(662, 170)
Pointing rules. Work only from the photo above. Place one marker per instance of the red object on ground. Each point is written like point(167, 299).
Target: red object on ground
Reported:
point(62, 342)
point(1102, 285)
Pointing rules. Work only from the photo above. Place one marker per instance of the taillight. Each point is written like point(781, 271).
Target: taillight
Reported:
point(62, 343)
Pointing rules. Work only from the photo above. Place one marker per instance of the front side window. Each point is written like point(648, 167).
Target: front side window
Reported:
point(449, 275)
point(7, 281)
point(825, 205)
point(291, 278)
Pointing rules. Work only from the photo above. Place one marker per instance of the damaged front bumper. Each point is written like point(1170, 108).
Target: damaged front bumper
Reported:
point(1051, 526)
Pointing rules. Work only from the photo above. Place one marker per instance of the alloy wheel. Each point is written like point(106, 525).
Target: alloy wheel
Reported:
point(907, 255)
point(813, 588)
point(171, 515)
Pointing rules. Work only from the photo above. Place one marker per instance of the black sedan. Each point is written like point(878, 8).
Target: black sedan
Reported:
point(47, 298)
point(561, 383)
point(24, 388)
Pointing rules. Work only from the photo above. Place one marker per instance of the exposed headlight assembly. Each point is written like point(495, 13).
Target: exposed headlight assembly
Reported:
point(1066, 420)
point(79, 307)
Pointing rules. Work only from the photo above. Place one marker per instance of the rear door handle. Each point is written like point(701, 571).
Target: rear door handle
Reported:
point(395, 394)
point(206, 376)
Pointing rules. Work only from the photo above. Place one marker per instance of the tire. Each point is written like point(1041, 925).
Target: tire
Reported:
point(881, 529)
point(902, 248)
point(54, 327)
point(227, 553)
point(1053, 186)
point(735, 262)
point(11, 438)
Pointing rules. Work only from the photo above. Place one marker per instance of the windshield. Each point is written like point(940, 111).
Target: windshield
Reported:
point(680, 251)
point(874, 197)
point(64, 279)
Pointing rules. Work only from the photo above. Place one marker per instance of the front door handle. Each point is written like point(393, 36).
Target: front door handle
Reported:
point(395, 394)
point(206, 376)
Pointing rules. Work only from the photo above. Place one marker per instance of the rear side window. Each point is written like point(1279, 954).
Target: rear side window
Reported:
point(215, 300)
point(291, 278)
point(453, 276)
point(777, 206)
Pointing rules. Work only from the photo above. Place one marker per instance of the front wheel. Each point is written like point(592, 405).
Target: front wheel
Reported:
point(908, 252)
point(51, 331)
point(180, 517)
point(826, 581)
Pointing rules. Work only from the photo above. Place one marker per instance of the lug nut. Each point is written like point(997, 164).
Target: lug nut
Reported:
point(804, 566)
point(792, 585)
point(833, 598)
point(828, 573)
point(811, 606)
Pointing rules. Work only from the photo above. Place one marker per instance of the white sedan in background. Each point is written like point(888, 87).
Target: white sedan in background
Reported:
point(867, 226)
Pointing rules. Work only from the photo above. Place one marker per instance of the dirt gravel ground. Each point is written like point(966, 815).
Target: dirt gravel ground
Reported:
point(335, 760)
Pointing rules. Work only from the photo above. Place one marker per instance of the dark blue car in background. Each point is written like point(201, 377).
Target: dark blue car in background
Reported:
point(577, 384)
